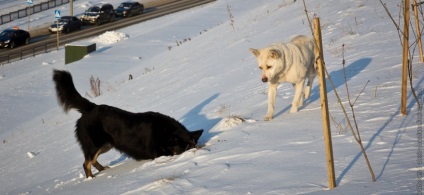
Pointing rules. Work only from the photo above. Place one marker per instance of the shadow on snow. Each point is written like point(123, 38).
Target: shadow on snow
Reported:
point(337, 77)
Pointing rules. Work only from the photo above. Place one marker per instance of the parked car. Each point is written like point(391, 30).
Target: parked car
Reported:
point(128, 9)
point(98, 14)
point(12, 37)
point(66, 24)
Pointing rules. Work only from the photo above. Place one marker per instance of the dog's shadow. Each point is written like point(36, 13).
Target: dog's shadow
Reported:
point(337, 77)
point(119, 160)
point(195, 120)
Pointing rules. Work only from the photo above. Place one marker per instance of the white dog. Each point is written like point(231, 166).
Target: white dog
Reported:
point(290, 62)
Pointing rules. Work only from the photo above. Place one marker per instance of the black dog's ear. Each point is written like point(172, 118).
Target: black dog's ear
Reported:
point(195, 135)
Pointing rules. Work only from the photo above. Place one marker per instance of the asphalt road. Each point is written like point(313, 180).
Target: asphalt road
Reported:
point(48, 42)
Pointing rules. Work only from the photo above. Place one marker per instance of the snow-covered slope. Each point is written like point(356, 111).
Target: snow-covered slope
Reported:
point(195, 67)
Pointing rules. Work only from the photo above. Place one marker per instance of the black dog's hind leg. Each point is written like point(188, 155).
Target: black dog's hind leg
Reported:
point(87, 168)
point(91, 159)
point(102, 150)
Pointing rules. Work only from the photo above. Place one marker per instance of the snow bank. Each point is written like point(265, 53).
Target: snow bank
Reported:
point(110, 37)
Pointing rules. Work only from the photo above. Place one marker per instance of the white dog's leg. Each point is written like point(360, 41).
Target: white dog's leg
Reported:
point(272, 93)
point(300, 102)
point(308, 88)
point(298, 96)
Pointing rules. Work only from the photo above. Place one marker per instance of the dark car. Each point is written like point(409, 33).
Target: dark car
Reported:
point(10, 38)
point(98, 14)
point(66, 24)
point(128, 9)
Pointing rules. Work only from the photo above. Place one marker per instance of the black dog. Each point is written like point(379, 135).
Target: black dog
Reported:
point(101, 127)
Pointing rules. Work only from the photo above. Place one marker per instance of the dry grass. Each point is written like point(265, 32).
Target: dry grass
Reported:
point(231, 16)
point(95, 86)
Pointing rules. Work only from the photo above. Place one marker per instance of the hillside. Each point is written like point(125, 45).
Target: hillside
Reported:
point(195, 66)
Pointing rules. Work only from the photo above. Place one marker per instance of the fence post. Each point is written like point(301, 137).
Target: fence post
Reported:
point(324, 105)
point(405, 61)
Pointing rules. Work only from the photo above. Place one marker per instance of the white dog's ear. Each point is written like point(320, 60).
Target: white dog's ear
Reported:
point(254, 51)
point(274, 54)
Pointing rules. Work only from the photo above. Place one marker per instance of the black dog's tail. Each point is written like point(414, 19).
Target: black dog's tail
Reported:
point(67, 96)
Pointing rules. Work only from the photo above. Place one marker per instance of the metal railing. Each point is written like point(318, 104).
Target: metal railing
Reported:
point(26, 53)
point(32, 10)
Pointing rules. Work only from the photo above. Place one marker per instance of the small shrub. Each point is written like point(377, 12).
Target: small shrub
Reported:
point(95, 86)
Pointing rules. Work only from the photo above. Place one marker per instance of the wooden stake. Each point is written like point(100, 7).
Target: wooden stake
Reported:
point(417, 26)
point(324, 105)
point(405, 58)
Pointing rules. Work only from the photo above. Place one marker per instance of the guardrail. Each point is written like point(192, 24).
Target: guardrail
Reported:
point(31, 9)
point(50, 45)
point(26, 53)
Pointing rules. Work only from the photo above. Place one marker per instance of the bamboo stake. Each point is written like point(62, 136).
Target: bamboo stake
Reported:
point(324, 105)
point(405, 57)
point(417, 25)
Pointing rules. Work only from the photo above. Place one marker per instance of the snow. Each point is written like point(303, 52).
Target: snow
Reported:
point(195, 67)
point(110, 37)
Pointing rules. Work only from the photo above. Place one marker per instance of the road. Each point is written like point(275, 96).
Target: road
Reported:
point(46, 43)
